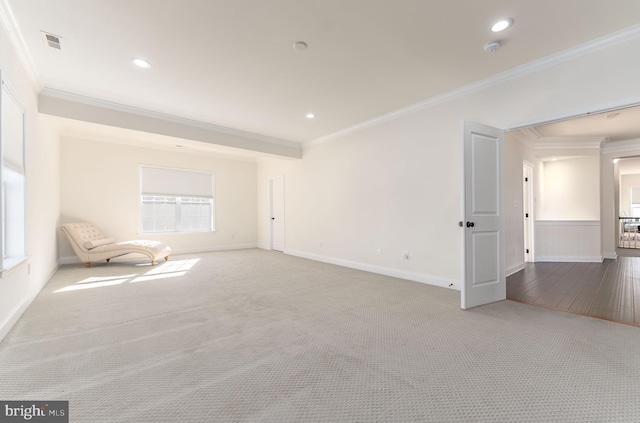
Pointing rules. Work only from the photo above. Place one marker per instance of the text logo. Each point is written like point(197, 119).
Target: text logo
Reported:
point(34, 411)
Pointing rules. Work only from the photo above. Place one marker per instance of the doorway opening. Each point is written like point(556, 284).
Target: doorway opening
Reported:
point(626, 172)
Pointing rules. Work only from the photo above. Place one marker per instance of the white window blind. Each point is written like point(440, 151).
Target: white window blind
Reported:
point(176, 182)
point(12, 172)
point(175, 200)
point(12, 132)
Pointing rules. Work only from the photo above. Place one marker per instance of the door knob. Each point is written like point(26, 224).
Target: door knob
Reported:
point(470, 224)
point(273, 218)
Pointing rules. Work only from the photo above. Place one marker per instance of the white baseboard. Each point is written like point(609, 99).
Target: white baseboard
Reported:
point(396, 273)
point(15, 315)
point(18, 310)
point(610, 256)
point(75, 259)
point(570, 259)
point(514, 269)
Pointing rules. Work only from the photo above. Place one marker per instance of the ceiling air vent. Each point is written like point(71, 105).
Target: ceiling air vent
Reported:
point(51, 40)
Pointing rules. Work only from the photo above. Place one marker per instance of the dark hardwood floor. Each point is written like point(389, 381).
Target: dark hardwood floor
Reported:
point(608, 290)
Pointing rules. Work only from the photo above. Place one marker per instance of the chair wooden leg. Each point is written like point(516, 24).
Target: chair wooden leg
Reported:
point(166, 258)
point(87, 264)
point(108, 260)
point(153, 262)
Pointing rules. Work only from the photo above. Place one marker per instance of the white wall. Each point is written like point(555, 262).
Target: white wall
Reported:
point(571, 189)
point(100, 184)
point(516, 152)
point(22, 284)
point(568, 241)
point(396, 185)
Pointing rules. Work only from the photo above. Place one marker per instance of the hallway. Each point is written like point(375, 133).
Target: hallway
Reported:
point(609, 290)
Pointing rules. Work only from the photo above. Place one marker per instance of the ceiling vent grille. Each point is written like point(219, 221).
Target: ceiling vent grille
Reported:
point(51, 40)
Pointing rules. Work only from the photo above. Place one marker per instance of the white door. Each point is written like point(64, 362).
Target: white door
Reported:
point(277, 213)
point(484, 280)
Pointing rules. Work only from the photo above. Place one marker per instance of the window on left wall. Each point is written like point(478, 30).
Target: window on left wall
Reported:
point(12, 175)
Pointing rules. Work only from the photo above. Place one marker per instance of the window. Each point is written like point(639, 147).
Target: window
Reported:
point(174, 200)
point(12, 175)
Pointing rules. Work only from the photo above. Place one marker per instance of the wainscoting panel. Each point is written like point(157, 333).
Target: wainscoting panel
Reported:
point(568, 241)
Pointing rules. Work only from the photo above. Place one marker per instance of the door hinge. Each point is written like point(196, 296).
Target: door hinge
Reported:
point(526, 215)
point(526, 179)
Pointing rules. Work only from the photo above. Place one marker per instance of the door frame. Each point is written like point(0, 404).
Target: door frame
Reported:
point(271, 203)
point(528, 225)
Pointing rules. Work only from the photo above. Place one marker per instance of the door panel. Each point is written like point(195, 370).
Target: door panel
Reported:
point(484, 280)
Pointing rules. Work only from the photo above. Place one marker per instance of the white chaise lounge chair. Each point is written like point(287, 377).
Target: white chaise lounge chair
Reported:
point(90, 245)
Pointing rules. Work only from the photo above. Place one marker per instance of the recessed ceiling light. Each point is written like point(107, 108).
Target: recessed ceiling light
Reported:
point(300, 45)
point(141, 63)
point(501, 25)
point(311, 116)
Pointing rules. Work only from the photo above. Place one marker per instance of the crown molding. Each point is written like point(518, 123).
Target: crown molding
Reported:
point(618, 37)
point(8, 21)
point(570, 143)
point(622, 147)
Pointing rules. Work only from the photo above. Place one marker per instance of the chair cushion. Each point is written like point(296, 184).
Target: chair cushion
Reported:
point(98, 242)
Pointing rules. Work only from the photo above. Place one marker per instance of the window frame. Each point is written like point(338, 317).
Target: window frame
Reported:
point(181, 201)
point(17, 247)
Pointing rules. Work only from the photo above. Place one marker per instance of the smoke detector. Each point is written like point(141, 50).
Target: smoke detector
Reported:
point(300, 45)
point(51, 40)
point(491, 47)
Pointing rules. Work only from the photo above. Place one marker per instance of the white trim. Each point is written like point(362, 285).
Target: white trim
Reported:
point(514, 269)
point(19, 310)
point(396, 273)
point(567, 223)
point(610, 256)
point(9, 22)
point(11, 263)
point(75, 260)
point(569, 143)
point(570, 259)
point(76, 98)
point(16, 313)
point(621, 147)
point(618, 37)
point(603, 108)
point(529, 226)
point(131, 142)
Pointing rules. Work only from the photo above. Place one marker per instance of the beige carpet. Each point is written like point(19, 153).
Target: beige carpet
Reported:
point(259, 336)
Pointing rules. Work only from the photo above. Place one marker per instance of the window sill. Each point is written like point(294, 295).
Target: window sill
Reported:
point(10, 264)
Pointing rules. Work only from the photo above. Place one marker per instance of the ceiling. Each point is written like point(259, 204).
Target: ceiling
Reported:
point(232, 63)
